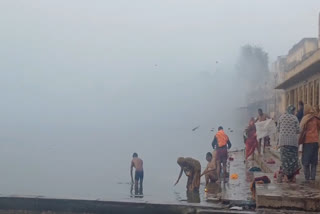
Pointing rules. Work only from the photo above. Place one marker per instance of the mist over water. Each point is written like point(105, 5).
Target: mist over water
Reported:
point(84, 85)
point(82, 147)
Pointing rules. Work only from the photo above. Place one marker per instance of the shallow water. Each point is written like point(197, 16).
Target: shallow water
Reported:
point(77, 142)
point(93, 169)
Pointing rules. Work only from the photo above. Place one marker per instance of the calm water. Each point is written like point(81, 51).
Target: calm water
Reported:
point(77, 142)
point(86, 167)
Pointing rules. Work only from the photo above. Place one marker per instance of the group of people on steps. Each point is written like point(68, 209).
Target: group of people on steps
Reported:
point(294, 128)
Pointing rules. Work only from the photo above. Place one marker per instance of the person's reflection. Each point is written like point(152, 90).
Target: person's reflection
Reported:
point(138, 192)
point(193, 197)
point(213, 190)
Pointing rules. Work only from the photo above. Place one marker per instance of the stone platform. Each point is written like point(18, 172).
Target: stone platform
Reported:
point(301, 195)
point(26, 205)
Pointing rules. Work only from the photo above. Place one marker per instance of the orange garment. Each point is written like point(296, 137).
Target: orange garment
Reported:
point(222, 138)
point(310, 126)
point(312, 132)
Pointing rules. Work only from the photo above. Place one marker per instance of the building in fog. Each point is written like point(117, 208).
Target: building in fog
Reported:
point(299, 74)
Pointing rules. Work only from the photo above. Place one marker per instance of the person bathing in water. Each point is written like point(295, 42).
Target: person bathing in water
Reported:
point(211, 171)
point(192, 169)
point(137, 163)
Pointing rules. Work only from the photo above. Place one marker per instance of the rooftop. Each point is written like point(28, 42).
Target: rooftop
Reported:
point(302, 71)
point(300, 44)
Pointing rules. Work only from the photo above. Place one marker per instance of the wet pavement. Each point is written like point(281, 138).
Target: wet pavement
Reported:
point(301, 195)
point(236, 189)
point(236, 192)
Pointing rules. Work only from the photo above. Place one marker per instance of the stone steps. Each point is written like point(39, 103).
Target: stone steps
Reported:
point(262, 159)
point(298, 196)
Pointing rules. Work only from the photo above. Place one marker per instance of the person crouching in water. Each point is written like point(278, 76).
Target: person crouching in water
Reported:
point(211, 171)
point(137, 163)
point(221, 143)
point(192, 170)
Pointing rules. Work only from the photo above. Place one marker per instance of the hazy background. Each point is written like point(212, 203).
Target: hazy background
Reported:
point(84, 84)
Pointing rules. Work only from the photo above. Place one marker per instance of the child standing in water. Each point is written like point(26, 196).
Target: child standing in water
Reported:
point(137, 163)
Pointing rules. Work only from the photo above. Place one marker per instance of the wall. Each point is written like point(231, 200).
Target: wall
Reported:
point(307, 90)
point(279, 69)
point(300, 52)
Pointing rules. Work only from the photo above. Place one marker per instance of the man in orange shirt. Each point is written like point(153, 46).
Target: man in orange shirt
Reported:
point(309, 137)
point(221, 143)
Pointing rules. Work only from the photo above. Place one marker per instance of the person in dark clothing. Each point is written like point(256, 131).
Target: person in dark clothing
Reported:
point(300, 111)
point(221, 144)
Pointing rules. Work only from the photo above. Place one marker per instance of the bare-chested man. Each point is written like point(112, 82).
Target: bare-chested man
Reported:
point(192, 169)
point(137, 163)
point(211, 171)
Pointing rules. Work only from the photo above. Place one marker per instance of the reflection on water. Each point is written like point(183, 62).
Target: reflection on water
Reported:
point(193, 197)
point(213, 191)
point(138, 191)
point(86, 176)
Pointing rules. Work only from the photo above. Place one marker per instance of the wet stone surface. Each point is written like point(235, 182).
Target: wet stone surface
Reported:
point(301, 195)
point(235, 191)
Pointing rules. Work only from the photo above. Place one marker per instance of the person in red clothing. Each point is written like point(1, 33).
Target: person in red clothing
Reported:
point(309, 137)
point(251, 139)
point(221, 143)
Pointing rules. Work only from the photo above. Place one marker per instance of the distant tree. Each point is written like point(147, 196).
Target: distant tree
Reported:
point(253, 73)
point(253, 64)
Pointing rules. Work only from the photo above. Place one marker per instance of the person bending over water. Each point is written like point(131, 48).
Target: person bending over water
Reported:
point(211, 171)
point(137, 163)
point(192, 169)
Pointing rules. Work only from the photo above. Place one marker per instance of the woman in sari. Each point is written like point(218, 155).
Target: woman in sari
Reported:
point(288, 128)
point(192, 169)
point(251, 139)
point(309, 137)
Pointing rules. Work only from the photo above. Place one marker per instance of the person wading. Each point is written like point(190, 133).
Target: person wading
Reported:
point(309, 137)
point(137, 163)
point(288, 128)
point(192, 169)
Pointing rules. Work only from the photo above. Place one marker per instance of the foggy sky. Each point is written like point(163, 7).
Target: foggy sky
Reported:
point(90, 79)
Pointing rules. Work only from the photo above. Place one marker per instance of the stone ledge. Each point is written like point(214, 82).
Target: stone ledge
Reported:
point(288, 196)
point(30, 205)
